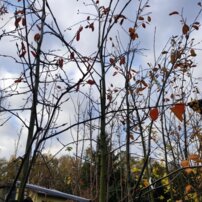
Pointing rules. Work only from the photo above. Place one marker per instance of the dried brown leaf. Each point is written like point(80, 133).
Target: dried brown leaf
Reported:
point(174, 13)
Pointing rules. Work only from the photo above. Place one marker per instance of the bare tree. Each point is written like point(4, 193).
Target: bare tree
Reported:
point(138, 111)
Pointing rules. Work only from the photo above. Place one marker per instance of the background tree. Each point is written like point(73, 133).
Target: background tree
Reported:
point(124, 114)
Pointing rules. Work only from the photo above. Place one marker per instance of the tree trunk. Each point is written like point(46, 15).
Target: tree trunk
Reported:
point(103, 145)
point(35, 85)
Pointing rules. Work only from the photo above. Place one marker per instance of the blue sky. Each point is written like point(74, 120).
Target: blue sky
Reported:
point(66, 14)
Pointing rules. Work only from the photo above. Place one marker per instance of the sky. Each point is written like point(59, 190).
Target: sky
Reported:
point(66, 13)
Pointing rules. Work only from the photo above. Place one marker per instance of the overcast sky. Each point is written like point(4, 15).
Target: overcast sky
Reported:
point(66, 14)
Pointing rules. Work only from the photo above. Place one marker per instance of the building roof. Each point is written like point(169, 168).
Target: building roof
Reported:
point(55, 193)
point(52, 192)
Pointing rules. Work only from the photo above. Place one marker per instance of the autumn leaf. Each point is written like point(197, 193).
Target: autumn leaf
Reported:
point(33, 53)
point(121, 22)
point(131, 137)
point(133, 35)
point(23, 46)
point(154, 113)
point(164, 52)
point(112, 61)
point(116, 90)
point(60, 62)
point(188, 189)
point(193, 157)
point(23, 22)
point(174, 13)
point(135, 169)
point(193, 54)
point(173, 58)
point(19, 12)
point(185, 29)
point(188, 171)
point(22, 54)
point(68, 149)
point(196, 105)
point(90, 82)
point(143, 25)
point(122, 60)
point(78, 33)
point(120, 16)
point(18, 80)
point(199, 160)
point(106, 10)
point(17, 20)
point(109, 97)
point(91, 26)
point(131, 30)
point(140, 89)
point(196, 25)
point(145, 183)
point(185, 163)
point(149, 19)
point(37, 37)
point(72, 55)
point(178, 110)
point(78, 36)
point(141, 18)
